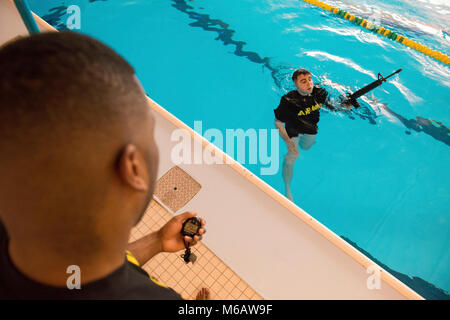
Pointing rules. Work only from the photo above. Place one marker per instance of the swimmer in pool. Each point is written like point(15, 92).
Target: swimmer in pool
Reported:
point(296, 119)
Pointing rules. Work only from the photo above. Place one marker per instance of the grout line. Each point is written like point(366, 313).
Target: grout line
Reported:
point(210, 272)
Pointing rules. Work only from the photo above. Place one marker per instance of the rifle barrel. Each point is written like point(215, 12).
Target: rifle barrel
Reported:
point(366, 89)
point(371, 86)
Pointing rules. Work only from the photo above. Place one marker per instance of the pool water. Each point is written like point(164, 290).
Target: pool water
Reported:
point(377, 176)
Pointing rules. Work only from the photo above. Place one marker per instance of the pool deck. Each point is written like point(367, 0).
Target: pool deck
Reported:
point(187, 279)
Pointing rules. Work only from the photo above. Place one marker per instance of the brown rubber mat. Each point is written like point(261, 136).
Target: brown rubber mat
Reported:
point(175, 188)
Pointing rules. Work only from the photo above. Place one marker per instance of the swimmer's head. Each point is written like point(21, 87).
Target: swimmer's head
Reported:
point(303, 81)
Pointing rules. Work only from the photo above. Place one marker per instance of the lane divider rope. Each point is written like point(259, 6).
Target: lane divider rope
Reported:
point(382, 31)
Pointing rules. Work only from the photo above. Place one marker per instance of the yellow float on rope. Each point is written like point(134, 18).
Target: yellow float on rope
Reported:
point(383, 31)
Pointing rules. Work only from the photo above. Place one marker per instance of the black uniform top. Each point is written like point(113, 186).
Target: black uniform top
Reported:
point(301, 113)
point(127, 282)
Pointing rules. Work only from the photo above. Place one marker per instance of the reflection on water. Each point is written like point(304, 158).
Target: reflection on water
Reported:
point(402, 16)
point(281, 74)
point(424, 288)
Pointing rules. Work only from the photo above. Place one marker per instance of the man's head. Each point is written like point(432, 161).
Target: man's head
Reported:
point(303, 81)
point(78, 158)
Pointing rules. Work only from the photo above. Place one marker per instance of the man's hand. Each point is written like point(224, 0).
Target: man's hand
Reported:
point(170, 235)
point(348, 107)
point(166, 239)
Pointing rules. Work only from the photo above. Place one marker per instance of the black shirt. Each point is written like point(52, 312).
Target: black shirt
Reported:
point(127, 282)
point(301, 113)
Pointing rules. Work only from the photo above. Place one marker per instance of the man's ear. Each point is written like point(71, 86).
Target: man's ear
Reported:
point(133, 169)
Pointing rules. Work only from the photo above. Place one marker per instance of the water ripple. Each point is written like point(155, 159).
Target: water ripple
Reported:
point(362, 36)
point(321, 55)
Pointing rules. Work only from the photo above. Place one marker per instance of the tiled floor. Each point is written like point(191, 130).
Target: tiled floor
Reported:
point(208, 271)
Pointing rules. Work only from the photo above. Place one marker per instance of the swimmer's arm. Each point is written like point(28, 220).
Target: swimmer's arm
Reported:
point(328, 105)
point(323, 97)
point(291, 145)
point(282, 130)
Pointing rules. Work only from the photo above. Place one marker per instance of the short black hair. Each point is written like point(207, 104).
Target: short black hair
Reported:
point(68, 105)
point(63, 79)
point(299, 72)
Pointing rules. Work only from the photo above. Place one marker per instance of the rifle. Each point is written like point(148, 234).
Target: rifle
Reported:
point(351, 98)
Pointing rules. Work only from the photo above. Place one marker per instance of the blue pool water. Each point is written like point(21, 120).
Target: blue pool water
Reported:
point(378, 176)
